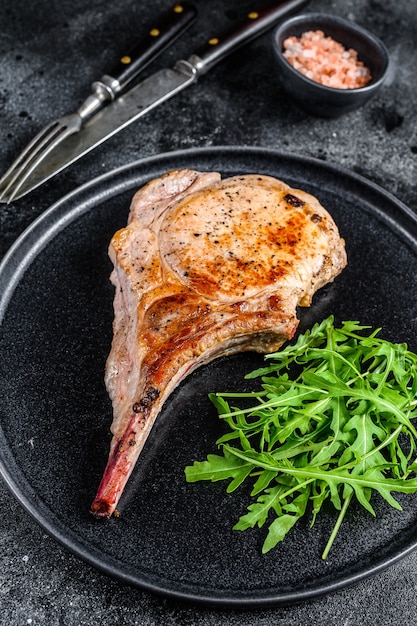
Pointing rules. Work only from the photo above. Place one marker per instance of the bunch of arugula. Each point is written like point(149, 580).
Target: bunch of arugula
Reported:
point(332, 421)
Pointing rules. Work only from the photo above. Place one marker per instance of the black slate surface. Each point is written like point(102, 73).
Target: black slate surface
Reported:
point(50, 53)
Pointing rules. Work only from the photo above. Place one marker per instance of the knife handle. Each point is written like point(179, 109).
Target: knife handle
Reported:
point(255, 23)
point(170, 26)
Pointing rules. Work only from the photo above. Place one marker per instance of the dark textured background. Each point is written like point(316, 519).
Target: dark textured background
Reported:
point(49, 54)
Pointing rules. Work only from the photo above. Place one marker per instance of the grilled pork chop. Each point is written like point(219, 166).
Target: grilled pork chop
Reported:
point(205, 268)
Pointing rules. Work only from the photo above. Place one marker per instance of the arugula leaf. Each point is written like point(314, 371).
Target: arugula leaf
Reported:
point(218, 467)
point(332, 421)
point(283, 524)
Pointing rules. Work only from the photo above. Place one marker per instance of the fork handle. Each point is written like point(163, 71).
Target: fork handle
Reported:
point(170, 26)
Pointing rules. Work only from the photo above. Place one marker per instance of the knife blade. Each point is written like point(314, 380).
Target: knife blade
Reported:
point(158, 88)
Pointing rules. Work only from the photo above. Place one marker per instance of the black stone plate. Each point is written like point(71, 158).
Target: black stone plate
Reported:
point(172, 537)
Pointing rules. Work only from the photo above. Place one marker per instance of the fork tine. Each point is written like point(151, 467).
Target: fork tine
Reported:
point(30, 158)
point(32, 145)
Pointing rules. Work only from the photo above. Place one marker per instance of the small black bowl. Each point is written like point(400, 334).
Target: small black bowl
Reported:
point(318, 99)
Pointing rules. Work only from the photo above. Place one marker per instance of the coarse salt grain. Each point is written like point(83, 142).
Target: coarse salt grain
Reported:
point(326, 61)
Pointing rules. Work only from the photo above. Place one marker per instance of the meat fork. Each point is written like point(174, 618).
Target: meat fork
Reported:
point(108, 88)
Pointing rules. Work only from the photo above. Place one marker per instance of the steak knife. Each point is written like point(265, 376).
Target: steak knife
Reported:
point(158, 88)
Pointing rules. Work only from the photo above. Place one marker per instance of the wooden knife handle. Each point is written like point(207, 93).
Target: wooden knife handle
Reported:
point(170, 26)
point(255, 23)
